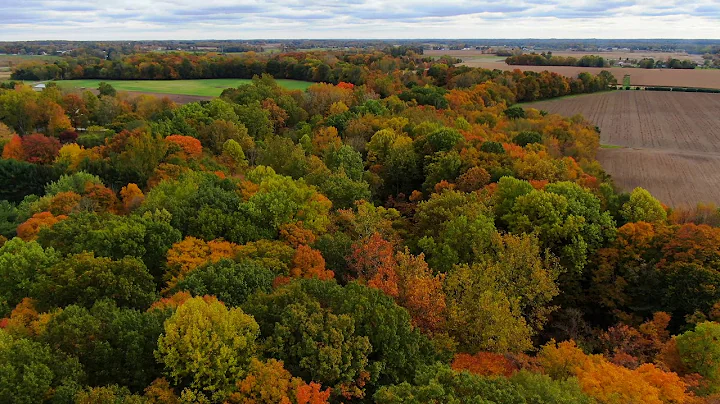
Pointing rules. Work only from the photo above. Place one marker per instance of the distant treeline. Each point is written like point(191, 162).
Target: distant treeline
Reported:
point(547, 59)
point(380, 71)
point(649, 63)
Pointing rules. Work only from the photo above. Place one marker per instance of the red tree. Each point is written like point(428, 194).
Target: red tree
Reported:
point(40, 149)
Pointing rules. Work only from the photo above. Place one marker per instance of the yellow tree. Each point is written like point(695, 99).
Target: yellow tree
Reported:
point(207, 347)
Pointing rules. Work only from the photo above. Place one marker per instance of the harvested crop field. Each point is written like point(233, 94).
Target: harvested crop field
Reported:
point(670, 140)
point(702, 78)
point(471, 53)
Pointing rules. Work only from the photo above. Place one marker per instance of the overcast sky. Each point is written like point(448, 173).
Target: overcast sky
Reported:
point(299, 19)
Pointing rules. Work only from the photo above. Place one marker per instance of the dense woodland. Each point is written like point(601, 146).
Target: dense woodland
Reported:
point(414, 237)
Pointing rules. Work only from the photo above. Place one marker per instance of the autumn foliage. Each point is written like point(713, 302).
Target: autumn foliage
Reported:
point(132, 197)
point(192, 252)
point(30, 229)
point(484, 363)
point(189, 146)
point(268, 382)
point(403, 231)
point(309, 263)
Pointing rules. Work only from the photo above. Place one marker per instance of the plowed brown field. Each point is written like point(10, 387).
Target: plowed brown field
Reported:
point(702, 78)
point(671, 140)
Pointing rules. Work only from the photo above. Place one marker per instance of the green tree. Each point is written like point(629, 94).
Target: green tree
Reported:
point(83, 279)
point(441, 166)
point(313, 343)
point(206, 347)
point(8, 219)
point(440, 384)
point(397, 347)
point(453, 228)
point(508, 190)
point(700, 351)
point(114, 345)
point(256, 120)
point(643, 207)
point(148, 236)
point(566, 218)
point(443, 140)
point(106, 89)
point(482, 316)
point(538, 388)
point(231, 282)
point(30, 372)
point(75, 182)
point(344, 158)
point(20, 264)
point(19, 179)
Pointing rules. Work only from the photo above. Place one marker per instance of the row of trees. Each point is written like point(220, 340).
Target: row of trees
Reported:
point(547, 59)
point(670, 63)
point(385, 73)
point(437, 244)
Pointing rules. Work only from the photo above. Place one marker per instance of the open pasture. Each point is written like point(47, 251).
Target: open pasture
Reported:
point(670, 140)
point(203, 87)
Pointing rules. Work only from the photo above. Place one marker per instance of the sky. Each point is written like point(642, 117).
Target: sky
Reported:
point(358, 19)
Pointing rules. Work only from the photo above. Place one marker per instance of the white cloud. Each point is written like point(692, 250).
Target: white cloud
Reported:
point(249, 19)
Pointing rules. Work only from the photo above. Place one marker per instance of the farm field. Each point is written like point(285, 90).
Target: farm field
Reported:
point(14, 60)
point(607, 55)
point(670, 140)
point(203, 88)
point(703, 78)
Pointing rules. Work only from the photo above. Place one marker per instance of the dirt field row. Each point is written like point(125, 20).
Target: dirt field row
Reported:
point(648, 119)
point(671, 140)
point(676, 179)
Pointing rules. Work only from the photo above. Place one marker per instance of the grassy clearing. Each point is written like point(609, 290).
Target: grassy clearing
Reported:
point(611, 146)
point(204, 87)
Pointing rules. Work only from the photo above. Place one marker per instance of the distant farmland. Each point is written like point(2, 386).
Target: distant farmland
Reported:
point(14, 60)
point(702, 78)
point(202, 88)
point(671, 140)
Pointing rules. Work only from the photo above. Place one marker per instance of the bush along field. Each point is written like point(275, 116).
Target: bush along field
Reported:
point(409, 237)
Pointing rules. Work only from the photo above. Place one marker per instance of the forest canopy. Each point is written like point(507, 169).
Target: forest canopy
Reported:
point(402, 232)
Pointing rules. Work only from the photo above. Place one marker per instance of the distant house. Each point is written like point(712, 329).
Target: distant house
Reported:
point(39, 87)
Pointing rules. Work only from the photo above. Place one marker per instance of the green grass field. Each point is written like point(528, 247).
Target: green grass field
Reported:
point(204, 87)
